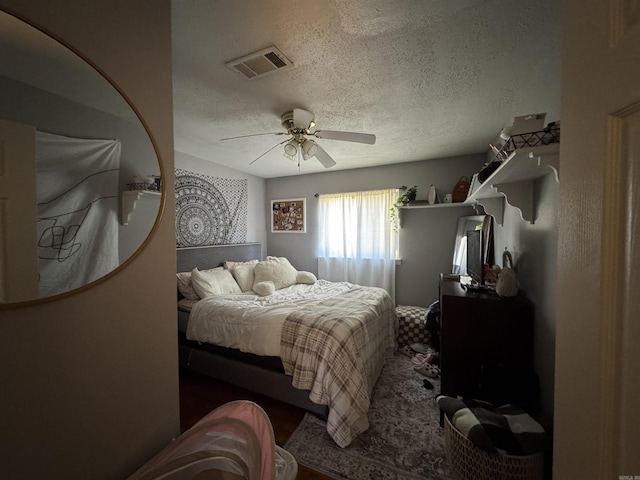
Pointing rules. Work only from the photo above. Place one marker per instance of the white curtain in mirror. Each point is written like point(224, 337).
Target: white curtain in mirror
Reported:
point(77, 194)
point(357, 241)
point(460, 258)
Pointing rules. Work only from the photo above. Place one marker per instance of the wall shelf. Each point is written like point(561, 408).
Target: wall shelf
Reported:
point(427, 206)
point(435, 205)
point(513, 181)
point(128, 202)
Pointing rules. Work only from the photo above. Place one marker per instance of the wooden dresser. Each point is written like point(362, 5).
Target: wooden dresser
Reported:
point(486, 345)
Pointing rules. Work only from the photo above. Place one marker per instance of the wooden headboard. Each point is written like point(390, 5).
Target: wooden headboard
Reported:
point(212, 256)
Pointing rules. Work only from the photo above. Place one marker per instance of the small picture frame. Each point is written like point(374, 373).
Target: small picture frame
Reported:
point(289, 215)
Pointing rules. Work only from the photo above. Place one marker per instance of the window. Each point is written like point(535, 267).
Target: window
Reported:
point(357, 241)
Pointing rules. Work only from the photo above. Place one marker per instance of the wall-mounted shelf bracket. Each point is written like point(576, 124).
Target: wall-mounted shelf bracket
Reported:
point(513, 181)
point(493, 206)
point(128, 201)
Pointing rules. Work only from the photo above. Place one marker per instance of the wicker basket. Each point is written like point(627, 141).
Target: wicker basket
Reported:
point(469, 462)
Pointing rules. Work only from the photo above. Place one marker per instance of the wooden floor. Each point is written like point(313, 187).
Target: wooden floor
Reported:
point(200, 394)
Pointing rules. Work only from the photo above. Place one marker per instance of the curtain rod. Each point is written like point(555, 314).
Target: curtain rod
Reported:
point(403, 187)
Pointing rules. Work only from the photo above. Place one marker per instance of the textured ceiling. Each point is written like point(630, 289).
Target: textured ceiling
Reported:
point(430, 79)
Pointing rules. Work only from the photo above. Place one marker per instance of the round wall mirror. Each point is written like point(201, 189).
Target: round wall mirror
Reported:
point(80, 181)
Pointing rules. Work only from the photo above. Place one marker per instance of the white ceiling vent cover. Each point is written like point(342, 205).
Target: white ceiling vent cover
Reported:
point(260, 63)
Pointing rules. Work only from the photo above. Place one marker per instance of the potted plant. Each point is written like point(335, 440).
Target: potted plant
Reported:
point(409, 195)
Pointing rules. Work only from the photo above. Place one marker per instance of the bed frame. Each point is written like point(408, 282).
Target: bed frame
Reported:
point(233, 368)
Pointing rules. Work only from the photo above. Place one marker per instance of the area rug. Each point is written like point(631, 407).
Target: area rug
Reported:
point(404, 440)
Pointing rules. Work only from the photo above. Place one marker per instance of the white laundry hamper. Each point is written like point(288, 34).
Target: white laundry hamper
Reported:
point(233, 442)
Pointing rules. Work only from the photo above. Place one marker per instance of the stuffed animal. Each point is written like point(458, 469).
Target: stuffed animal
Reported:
point(275, 273)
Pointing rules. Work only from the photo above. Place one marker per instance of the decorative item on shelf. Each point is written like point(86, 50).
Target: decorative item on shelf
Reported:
point(432, 196)
point(138, 183)
point(460, 190)
point(531, 122)
point(149, 183)
point(505, 133)
point(526, 131)
point(448, 198)
point(487, 170)
point(498, 151)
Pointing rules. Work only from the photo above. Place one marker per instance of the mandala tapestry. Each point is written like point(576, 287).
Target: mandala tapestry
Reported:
point(210, 210)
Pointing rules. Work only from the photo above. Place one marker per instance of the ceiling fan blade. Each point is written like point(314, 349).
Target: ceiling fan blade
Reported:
point(253, 135)
point(367, 138)
point(324, 158)
point(302, 118)
point(276, 145)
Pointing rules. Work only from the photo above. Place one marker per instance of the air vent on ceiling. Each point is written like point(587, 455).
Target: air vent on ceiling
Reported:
point(260, 63)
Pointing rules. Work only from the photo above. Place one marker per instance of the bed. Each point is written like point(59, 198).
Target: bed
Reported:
point(322, 353)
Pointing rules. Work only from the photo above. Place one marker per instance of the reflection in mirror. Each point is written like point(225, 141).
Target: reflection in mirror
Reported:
point(472, 222)
point(70, 146)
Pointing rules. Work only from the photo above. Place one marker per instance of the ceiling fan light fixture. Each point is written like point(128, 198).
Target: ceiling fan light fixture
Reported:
point(309, 149)
point(291, 148)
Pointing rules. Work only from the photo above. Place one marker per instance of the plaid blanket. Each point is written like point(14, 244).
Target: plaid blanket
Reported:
point(336, 349)
point(505, 429)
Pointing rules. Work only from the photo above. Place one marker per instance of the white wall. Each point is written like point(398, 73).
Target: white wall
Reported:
point(535, 249)
point(426, 239)
point(90, 382)
point(256, 187)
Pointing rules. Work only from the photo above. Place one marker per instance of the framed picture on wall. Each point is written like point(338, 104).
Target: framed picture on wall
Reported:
point(288, 216)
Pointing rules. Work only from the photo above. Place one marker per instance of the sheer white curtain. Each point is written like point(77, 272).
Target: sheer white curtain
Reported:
point(357, 241)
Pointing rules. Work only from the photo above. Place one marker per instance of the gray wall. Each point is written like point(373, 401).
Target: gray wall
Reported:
point(256, 186)
point(535, 249)
point(426, 239)
point(53, 114)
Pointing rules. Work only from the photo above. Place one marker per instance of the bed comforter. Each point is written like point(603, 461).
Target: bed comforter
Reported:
point(336, 350)
point(333, 344)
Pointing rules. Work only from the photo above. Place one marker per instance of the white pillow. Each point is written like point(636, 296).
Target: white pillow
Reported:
point(214, 282)
point(277, 270)
point(244, 275)
point(185, 287)
point(232, 265)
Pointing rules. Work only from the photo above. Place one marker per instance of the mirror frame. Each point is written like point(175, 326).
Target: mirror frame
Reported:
point(163, 196)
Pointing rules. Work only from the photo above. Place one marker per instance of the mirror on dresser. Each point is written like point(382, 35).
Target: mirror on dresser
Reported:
point(483, 223)
point(70, 146)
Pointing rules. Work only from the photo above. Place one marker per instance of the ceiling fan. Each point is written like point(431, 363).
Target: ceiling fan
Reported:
point(299, 124)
